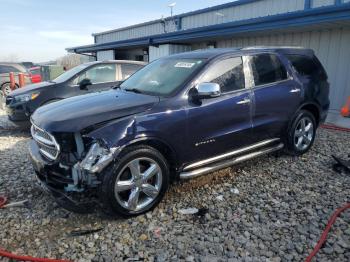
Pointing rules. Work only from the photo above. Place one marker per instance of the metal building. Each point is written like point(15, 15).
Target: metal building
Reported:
point(323, 25)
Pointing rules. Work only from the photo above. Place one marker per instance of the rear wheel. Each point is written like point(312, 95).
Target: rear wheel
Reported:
point(301, 134)
point(136, 184)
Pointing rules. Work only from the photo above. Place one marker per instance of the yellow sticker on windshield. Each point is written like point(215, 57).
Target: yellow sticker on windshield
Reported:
point(184, 64)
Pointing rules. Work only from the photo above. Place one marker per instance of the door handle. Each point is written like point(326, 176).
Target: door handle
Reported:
point(295, 90)
point(244, 101)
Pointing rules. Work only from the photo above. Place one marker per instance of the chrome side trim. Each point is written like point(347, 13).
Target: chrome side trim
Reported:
point(229, 154)
point(227, 163)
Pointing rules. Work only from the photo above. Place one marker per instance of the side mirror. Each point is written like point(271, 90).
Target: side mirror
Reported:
point(85, 83)
point(207, 90)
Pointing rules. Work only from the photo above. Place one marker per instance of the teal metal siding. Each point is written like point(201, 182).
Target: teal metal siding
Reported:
point(242, 12)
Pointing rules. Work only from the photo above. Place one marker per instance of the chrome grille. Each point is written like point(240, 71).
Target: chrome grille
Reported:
point(47, 144)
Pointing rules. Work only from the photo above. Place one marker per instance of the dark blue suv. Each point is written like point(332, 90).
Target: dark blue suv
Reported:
point(179, 117)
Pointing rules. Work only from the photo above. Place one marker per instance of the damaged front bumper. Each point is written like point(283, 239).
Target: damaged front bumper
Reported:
point(79, 177)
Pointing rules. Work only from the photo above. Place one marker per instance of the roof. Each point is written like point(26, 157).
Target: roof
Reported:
point(212, 53)
point(273, 22)
point(18, 66)
point(116, 62)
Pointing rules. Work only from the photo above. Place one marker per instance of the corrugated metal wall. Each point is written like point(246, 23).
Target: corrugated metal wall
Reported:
point(136, 32)
point(230, 14)
point(242, 12)
point(164, 50)
point(105, 55)
point(319, 3)
point(331, 47)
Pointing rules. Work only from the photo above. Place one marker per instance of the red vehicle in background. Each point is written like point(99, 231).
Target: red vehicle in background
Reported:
point(35, 74)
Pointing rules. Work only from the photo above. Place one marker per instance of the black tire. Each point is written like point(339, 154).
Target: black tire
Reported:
point(294, 134)
point(110, 200)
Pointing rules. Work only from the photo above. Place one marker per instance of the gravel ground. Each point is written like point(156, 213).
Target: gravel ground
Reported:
point(268, 209)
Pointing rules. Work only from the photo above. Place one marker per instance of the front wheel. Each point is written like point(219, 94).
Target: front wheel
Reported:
point(136, 184)
point(301, 133)
point(6, 89)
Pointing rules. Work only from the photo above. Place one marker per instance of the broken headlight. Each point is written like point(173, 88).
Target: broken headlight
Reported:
point(97, 158)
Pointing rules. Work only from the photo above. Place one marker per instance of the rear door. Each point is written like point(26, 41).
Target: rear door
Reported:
point(218, 125)
point(276, 95)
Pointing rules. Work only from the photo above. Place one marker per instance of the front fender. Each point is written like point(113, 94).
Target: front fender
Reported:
point(115, 133)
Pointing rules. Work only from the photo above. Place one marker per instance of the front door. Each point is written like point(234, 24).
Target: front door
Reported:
point(219, 125)
point(276, 96)
point(102, 77)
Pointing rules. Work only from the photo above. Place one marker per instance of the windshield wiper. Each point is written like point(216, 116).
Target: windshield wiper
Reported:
point(135, 90)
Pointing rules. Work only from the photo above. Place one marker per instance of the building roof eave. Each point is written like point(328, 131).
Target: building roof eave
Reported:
point(280, 21)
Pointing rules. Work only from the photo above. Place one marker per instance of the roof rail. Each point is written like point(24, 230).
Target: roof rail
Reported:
point(272, 47)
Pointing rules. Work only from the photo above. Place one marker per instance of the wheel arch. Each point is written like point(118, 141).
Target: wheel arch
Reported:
point(163, 147)
point(314, 109)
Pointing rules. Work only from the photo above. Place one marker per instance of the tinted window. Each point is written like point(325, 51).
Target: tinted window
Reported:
point(307, 66)
point(128, 70)
point(163, 76)
point(100, 74)
point(267, 68)
point(227, 73)
point(4, 69)
point(70, 73)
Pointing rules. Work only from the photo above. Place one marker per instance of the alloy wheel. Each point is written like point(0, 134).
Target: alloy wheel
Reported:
point(303, 133)
point(138, 184)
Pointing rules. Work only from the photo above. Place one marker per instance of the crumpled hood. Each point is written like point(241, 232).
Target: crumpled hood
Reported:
point(77, 113)
point(31, 88)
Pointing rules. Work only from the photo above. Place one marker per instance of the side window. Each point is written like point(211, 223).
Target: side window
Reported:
point(98, 74)
point(267, 68)
point(227, 73)
point(128, 70)
point(307, 66)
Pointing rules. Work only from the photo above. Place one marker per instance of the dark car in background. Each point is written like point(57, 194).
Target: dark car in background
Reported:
point(5, 70)
point(86, 78)
point(179, 117)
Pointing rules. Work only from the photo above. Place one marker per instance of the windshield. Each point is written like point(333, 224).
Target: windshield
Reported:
point(70, 73)
point(162, 77)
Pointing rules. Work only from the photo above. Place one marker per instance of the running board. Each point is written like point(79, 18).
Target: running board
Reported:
point(227, 163)
point(231, 154)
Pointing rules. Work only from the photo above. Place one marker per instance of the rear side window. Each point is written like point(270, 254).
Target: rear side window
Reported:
point(307, 66)
point(4, 69)
point(227, 73)
point(128, 70)
point(267, 68)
